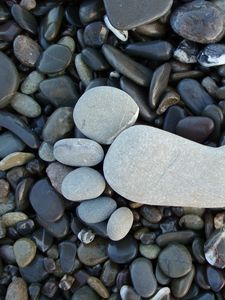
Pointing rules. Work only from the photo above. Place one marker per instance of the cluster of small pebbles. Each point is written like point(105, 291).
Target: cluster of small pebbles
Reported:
point(74, 76)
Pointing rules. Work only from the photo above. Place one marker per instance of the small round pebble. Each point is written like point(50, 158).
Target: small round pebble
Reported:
point(25, 105)
point(17, 290)
point(25, 251)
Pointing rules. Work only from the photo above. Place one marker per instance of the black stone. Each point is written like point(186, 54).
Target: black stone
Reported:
point(25, 227)
point(201, 277)
point(173, 115)
point(24, 18)
point(95, 34)
point(67, 255)
point(35, 271)
point(198, 250)
point(94, 59)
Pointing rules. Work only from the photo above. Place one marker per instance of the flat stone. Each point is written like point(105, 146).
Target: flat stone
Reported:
point(52, 22)
point(17, 290)
point(25, 105)
point(67, 255)
point(9, 143)
point(85, 293)
point(212, 55)
point(103, 112)
point(42, 239)
point(35, 271)
point(90, 11)
point(12, 218)
point(82, 184)
point(30, 85)
point(24, 18)
point(25, 251)
point(15, 159)
point(96, 210)
point(181, 286)
point(119, 223)
point(9, 83)
point(163, 294)
point(209, 17)
point(78, 152)
point(126, 14)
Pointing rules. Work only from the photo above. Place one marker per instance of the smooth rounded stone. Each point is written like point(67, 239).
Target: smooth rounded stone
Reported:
point(15, 159)
point(205, 296)
point(4, 13)
point(7, 254)
point(209, 17)
point(192, 74)
point(85, 293)
point(25, 105)
point(69, 42)
point(219, 220)
point(201, 278)
point(60, 91)
point(198, 250)
point(152, 30)
point(163, 294)
point(95, 34)
point(123, 251)
point(84, 71)
point(120, 223)
point(186, 52)
point(67, 255)
point(149, 251)
point(215, 278)
point(111, 115)
point(193, 95)
point(9, 143)
point(213, 249)
point(52, 23)
point(56, 172)
point(9, 83)
point(96, 210)
point(159, 83)
point(127, 66)
point(215, 113)
point(94, 59)
point(17, 290)
point(212, 55)
point(98, 287)
point(19, 128)
point(42, 239)
point(151, 214)
point(109, 273)
point(7, 204)
point(182, 237)
point(128, 293)
point(25, 251)
point(156, 50)
point(4, 189)
point(192, 222)
point(220, 92)
point(30, 85)
point(12, 218)
point(28, 4)
point(46, 202)
point(2, 230)
point(93, 253)
point(125, 15)
point(45, 152)
point(83, 184)
point(95, 83)
point(173, 115)
point(9, 30)
point(140, 96)
point(35, 271)
point(209, 85)
point(25, 227)
point(54, 59)
point(175, 260)
point(26, 50)
point(162, 278)
point(181, 286)
point(24, 18)
point(78, 152)
point(168, 99)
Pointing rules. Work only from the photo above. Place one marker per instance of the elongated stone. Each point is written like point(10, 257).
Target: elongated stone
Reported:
point(52, 23)
point(136, 169)
point(15, 159)
point(25, 105)
point(9, 143)
point(24, 18)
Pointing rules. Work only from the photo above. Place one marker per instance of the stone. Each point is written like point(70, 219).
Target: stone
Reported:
point(82, 184)
point(25, 227)
point(95, 34)
point(30, 85)
point(94, 59)
point(210, 85)
point(212, 55)
point(25, 105)
point(24, 18)
point(96, 210)
point(7, 254)
point(186, 52)
point(153, 30)
point(9, 83)
point(149, 251)
point(67, 255)
point(151, 214)
point(9, 143)
point(12, 218)
point(42, 239)
point(15, 159)
point(26, 50)
point(103, 112)
point(124, 14)
point(9, 30)
point(173, 115)
point(28, 4)
point(25, 251)
point(90, 11)
point(215, 278)
point(168, 99)
point(46, 202)
point(198, 250)
point(175, 261)
point(192, 222)
point(56, 58)
point(181, 286)
point(4, 189)
point(109, 273)
point(163, 294)
point(78, 152)
point(84, 71)
point(209, 17)
point(45, 152)
point(215, 113)
point(120, 34)
point(7, 204)
point(35, 271)
point(69, 42)
point(128, 293)
point(85, 293)
point(17, 290)
point(52, 22)
point(120, 223)
point(98, 287)
point(204, 296)
point(146, 285)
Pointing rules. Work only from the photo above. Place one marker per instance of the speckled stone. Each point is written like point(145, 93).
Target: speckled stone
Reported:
point(31, 83)
point(25, 251)
point(17, 290)
point(12, 218)
point(25, 105)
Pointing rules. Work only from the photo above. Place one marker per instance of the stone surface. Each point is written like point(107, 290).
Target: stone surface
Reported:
point(15, 159)
point(181, 286)
point(85, 293)
point(98, 287)
point(45, 152)
point(212, 55)
point(58, 229)
point(12, 218)
point(67, 255)
point(24, 18)
point(17, 290)
point(25, 251)
point(95, 34)
point(9, 143)
point(31, 83)
point(25, 105)
point(163, 294)
point(78, 152)
point(35, 271)
point(103, 112)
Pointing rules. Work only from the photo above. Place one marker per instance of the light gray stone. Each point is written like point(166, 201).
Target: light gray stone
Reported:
point(152, 166)
point(83, 70)
point(31, 83)
point(103, 112)
point(162, 294)
point(78, 152)
point(45, 152)
point(83, 184)
point(25, 105)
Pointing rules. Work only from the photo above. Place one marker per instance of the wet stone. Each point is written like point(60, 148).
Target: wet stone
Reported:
point(198, 250)
point(35, 271)
point(85, 293)
point(186, 52)
point(17, 290)
point(90, 11)
point(31, 83)
point(24, 18)
point(25, 105)
point(181, 286)
point(25, 251)
point(15, 159)
point(94, 59)
point(7, 204)
point(67, 254)
point(95, 34)
point(52, 23)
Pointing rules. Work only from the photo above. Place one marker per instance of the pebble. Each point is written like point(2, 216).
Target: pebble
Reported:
point(45, 152)
point(9, 143)
point(25, 105)
point(35, 271)
point(95, 34)
point(31, 83)
point(42, 239)
point(7, 204)
point(186, 52)
point(183, 21)
point(198, 250)
point(149, 251)
point(9, 30)
point(192, 222)
point(17, 290)
point(173, 115)
point(4, 188)
point(25, 227)
point(7, 254)
point(215, 278)
point(181, 286)
point(98, 287)
point(151, 214)
point(128, 293)
point(26, 50)
point(12, 218)
point(28, 4)
point(15, 159)
point(78, 152)
point(24, 18)
point(145, 286)
point(210, 85)
point(168, 99)
point(109, 273)
point(56, 58)
point(215, 113)
point(212, 55)
point(25, 251)
point(111, 113)
point(175, 261)
point(69, 42)
point(67, 254)
point(45, 201)
point(119, 223)
point(219, 220)
point(52, 23)
point(96, 210)
point(163, 294)
point(94, 59)
point(85, 293)
point(91, 11)
point(204, 296)
point(84, 71)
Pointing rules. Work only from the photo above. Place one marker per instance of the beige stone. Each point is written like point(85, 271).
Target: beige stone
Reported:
point(15, 159)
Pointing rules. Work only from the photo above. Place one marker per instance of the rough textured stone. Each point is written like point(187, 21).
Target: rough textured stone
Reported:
point(25, 105)
point(15, 159)
point(17, 290)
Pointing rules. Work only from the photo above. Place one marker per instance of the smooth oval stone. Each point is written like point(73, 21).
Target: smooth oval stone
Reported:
point(123, 251)
point(197, 129)
point(145, 285)
point(60, 91)
point(45, 152)
point(52, 23)
point(78, 152)
point(96, 210)
point(103, 112)
point(85, 293)
point(128, 14)
point(127, 66)
point(162, 294)
point(84, 71)
point(15, 159)
point(205, 296)
point(175, 261)
point(9, 143)
point(194, 95)
point(95, 34)
point(209, 17)
point(98, 287)
point(31, 83)
point(127, 292)
point(213, 249)
point(58, 229)
point(82, 184)
point(54, 59)
point(25, 105)
point(191, 221)
point(120, 223)
point(17, 290)
point(25, 251)
point(181, 286)
point(24, 18)
point(35, 271)
point(212, 55)
point(169, 98)
point(91, 10)
point(69, 42)
point(173, 115)
point(149, 251)
point(215, 278)
point(67, 254)
point(94, 59)
point(9, 83)
point(162, 278)
point(4, 13)
point(26, 50)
